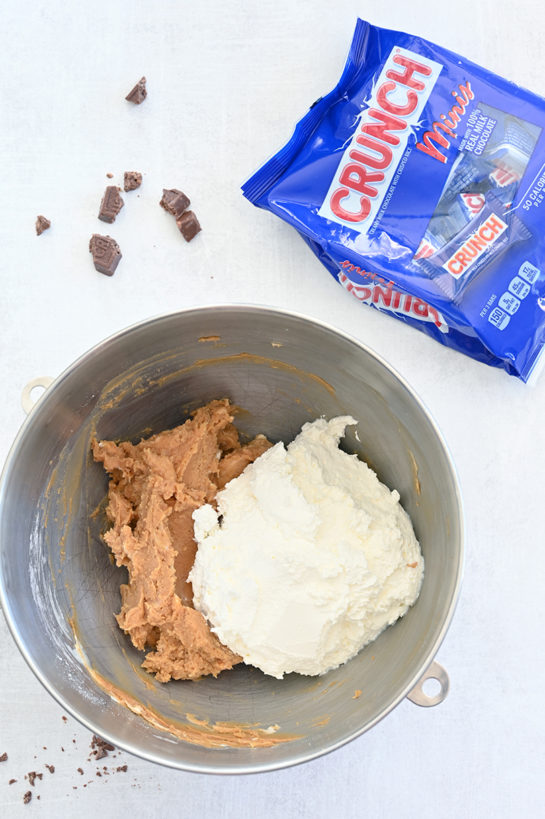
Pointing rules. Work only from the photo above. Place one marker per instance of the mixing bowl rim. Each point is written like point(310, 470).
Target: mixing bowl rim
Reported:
point(301, 757)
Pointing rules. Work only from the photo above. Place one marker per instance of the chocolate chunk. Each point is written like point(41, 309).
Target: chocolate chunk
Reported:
point(188, 225)
point(50, 768)
point(33, 776)
point(42, 224)
point(111, 204)
point(4, 757)
point(106, 254)
point(11, 781)
point(138, 94)
point(27, 797)
point(64, 719)
point(132, 180)
point(80, 771)
point(110, 175)
point(101, 747)
point(122, 768)
point(174, 202)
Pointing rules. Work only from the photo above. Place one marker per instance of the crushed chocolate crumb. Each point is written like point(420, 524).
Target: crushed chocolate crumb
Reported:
point(110, 175)
point(110, 204)
point(4, 757)
point(50, 768)
point(106, 253)
point(188, 225)
point(80, 771)
point(132, 180)
point(122, 768)
point(64, 719)
point(98, 773)
point(97, 742)
point(42, 224)
point(27, 797)
point(33, 776)
point(138, 94)
point(11, 781)
point(174, 202)
point(62, 749)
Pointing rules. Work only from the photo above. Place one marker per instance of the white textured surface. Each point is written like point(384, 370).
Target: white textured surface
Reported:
point(227, 81)
point(312, 559)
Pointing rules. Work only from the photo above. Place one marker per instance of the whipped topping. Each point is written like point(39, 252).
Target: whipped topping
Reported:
point(307, 558)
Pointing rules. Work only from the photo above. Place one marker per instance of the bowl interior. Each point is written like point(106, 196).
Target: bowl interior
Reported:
point(61, 590)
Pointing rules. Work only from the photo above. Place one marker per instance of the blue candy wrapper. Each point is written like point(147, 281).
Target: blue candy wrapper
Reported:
point(383, 178)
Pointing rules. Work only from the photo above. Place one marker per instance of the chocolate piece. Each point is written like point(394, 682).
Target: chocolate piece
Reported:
point(33, 776)
point(174, 202)
point(27, 797)
point(132, 180)
point(4, 757)
point(101, 747)
point(64, 719)
point(106, 253)
point(42, 224)
point(11, 781)
point(138, 94)
point(80, 771)
point(110, 175)
point(111, 204)
point(188, 225)
point(50, 768)
point(122, 768)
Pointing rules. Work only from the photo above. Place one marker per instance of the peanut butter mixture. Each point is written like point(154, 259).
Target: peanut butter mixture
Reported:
point(154, 488)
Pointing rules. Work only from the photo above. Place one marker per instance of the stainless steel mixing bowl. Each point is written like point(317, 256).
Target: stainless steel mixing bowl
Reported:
point(59, 589)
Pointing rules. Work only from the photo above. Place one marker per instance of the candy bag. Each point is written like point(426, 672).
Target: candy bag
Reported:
point(419, 181)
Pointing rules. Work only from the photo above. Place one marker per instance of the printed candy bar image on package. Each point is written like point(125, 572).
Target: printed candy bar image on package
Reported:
point(419, 181)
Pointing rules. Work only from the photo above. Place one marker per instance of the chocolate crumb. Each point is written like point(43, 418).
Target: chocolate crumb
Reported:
point(80, 771)
point(44, 747)
point(74, 787)
point(98, 773)
point(97, 742)
point(132, 180)
point(188, 225)
point(50, 768)
point(110, 175)
point(138, 94)
point(100, 753)
point(27, 797)
point(106, 253)
point(65, 719)
point(33, 776)
point(174, 202)
point(38, 796)
point(42, 224)
point(122, 768)
point(62, 749)
point(4, 757)
point(11, 781)
point(110, 205)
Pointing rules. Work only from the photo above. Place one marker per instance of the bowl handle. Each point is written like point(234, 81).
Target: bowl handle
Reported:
point(27, 401)
point(434, 672)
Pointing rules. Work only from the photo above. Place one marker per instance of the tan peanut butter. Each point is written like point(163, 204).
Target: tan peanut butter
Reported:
point(154, 488)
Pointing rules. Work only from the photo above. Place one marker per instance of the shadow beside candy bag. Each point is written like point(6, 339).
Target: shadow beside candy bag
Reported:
point(419, 183)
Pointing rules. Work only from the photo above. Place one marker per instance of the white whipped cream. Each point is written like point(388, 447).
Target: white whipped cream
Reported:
point(308, 557)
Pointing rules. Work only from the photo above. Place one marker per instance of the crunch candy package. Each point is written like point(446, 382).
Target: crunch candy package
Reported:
point(419, 182)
